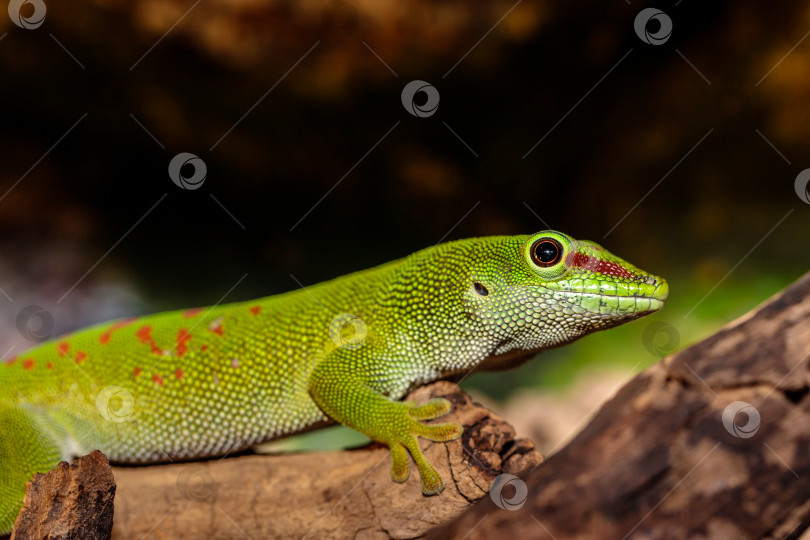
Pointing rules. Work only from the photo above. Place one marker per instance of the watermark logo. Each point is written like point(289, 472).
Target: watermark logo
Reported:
point(28, 14)
point(660, 339)
point(516, 501)
point(187, 171)
point(348, 331)
point(649, 17)
point(802, 187)
point(340, 18)
point(35, 323)
point(196, 484)
point(425, 92)
point(730, 415)
point(115, 404)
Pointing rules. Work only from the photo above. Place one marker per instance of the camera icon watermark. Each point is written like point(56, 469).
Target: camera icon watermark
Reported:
point(801, 186)
point(424, 90)
point(187, 171)
point(115, 404)
point(35, 323)
point(28, 14)
point(196, 484)
point(348, 331)
point(516, 501)
point(660, 339)
point(645, 19)
point(730, 415)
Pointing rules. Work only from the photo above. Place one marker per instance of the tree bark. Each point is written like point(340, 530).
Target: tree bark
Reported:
point(71, 502)
point(668, 457)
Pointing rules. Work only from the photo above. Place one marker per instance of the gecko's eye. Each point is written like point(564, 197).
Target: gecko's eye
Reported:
point(546, 252)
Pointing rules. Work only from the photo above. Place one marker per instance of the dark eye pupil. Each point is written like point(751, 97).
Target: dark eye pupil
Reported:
point(547, 252)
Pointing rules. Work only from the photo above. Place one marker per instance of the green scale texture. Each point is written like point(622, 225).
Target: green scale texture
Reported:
point(207, 382)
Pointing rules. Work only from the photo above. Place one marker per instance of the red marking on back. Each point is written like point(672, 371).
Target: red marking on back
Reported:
point(11, 361)
point(204, 348)
point(606, 268)
point(183, 336)
point(157, 379)
point(255, 310)
point(105, 337)
point(216, 326)
point(63, 348)
point(80, 356)
point(137, 371)
point(178, 373)
point(28, 364)
point(192, 312)
point(49, 365)
point(144, 333)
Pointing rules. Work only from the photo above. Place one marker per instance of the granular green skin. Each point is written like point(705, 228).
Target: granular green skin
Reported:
point(207, 382)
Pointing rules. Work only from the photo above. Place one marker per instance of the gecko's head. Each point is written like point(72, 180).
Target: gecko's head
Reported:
point(547, 289)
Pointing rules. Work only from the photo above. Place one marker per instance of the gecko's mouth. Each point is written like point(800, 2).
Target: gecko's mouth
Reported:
point(607, 304)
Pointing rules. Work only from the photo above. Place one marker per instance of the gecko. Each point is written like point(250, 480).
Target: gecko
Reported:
point(204, 382)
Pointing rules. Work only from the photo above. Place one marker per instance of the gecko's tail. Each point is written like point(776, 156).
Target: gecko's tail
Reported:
point(25, 448)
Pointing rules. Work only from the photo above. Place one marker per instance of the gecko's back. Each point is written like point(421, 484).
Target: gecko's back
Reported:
point(188, 383)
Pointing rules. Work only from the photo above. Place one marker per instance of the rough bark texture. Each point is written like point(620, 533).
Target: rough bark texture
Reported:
point(658, 461)
point(71, 501)
point(344, 494)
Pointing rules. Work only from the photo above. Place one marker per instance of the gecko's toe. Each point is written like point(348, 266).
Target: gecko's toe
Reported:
point(431, 409)
point(400, 466)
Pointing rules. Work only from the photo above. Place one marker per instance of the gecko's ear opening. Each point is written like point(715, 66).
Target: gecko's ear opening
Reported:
point(480, 289)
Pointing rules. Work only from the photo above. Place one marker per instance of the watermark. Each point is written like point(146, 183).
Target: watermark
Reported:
point(187, 171)
point(28, 14)
point(427, 92)
point(340, 18)
point(348, 331)
point(751, 426)
point(516, 501)
point(802, 187)
point(649, 17)
point(35, 323)
point(660, 339)
point(115, 404)
point(196, 484)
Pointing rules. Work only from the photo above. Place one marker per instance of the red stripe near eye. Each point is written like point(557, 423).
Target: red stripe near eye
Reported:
point(606, 268)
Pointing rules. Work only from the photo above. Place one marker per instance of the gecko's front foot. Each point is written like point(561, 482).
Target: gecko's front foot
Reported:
point(404, 441)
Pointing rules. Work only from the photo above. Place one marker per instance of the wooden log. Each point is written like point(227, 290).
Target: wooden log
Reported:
point(341, 494)
point(712, 442)
point(71, 501)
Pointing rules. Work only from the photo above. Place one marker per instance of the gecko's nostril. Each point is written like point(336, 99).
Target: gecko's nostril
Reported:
point(651, 280)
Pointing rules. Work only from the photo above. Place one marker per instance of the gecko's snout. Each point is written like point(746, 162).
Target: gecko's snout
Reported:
point(661, 288)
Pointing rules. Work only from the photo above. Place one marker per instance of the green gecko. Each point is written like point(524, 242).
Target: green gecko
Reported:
point(210, 381)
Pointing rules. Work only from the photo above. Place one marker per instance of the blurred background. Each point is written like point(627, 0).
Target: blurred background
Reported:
point(673, 137)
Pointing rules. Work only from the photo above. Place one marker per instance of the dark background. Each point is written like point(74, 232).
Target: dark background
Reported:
point(725, 137)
